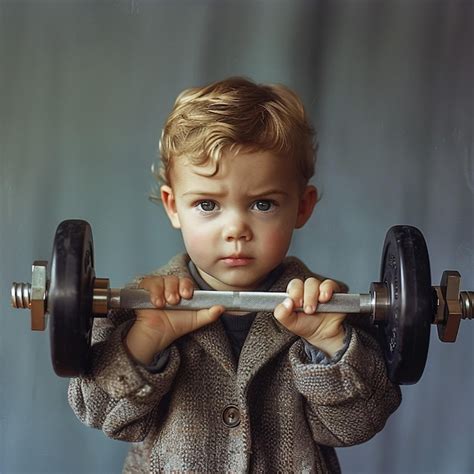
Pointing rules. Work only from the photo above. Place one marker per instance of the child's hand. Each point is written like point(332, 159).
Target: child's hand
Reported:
point(323, 330)
point(156, 329)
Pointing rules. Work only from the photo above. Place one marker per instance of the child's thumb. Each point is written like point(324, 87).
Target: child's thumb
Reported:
point(207, 316)
point(284, 312)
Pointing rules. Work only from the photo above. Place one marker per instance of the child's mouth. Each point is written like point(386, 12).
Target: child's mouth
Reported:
point(237, 261)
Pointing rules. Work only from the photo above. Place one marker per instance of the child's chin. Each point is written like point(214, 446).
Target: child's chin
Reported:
point(243, 282)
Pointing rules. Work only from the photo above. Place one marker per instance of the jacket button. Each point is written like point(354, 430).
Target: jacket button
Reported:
point(231, 416)
point(144, 391)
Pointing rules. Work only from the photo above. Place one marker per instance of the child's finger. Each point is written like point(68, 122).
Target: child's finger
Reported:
point(172, 289)
point(295, 290)
point(327, 289)
point(151, 283)
point(186, 288)
point(311, 291)
point(156, 288)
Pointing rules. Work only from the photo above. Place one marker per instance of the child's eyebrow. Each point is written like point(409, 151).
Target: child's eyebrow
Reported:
point(269, 192)
point(201, 193)
point(253, 196)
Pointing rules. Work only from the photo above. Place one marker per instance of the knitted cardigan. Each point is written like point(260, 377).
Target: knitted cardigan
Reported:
point(288, 413)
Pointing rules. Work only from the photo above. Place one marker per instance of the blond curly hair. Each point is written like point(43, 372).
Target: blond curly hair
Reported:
point(236, 114)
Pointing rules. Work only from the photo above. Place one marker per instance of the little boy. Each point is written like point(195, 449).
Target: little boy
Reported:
point(215, 391)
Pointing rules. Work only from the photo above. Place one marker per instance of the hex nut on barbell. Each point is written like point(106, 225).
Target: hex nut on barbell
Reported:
point(440, 306)
point(450, 283)
point(38, 295)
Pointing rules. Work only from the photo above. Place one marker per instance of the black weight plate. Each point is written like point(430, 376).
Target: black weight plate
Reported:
point(70, 298)
point(404, 336)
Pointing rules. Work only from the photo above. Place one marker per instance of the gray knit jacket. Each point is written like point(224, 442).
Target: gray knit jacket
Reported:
point(270, 411)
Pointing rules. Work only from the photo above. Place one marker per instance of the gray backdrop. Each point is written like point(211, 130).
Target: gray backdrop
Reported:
point(84, 90)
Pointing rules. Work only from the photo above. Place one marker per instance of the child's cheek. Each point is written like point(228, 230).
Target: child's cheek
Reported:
point(277, 243)
point(198, 242)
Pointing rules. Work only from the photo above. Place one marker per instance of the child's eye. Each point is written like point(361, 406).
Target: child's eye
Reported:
point(206, 206)
point(264, 205)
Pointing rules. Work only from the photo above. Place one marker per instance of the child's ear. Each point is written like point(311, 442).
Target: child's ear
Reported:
point(169, 202)
point(306, 205)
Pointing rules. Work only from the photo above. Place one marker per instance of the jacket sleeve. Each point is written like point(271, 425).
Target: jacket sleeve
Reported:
point(348, 402)
point(119, 396)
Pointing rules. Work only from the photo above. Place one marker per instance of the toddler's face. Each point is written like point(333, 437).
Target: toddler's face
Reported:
point(237, 225)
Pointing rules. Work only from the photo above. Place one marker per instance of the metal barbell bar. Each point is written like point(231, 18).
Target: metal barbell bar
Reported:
point(106, 299)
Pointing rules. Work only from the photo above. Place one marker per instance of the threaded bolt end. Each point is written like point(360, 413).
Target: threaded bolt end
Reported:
point(21, 295)
point(466, 298)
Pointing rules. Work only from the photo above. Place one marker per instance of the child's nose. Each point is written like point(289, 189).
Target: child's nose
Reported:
point(236, 229)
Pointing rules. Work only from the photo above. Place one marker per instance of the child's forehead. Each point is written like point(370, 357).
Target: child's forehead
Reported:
point(250, 172)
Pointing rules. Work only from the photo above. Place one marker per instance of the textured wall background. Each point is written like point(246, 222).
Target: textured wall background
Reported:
point(85, 87)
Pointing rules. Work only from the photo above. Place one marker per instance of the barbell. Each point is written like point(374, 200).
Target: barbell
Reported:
point(402, 305)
